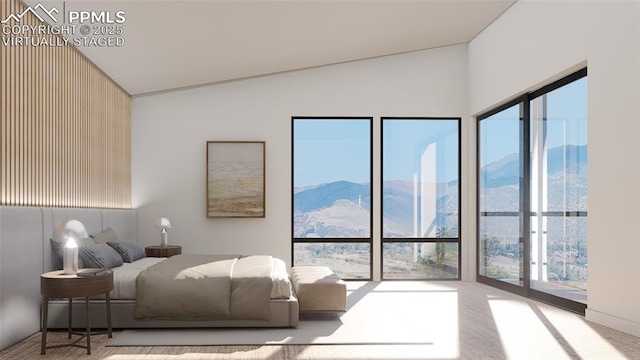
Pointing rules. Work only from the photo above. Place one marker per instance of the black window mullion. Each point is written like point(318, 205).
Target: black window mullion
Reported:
point(525, 190)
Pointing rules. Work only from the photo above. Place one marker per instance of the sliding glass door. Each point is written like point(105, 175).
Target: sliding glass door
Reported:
point(532, 194)
point(501, 194)
point(559, 191)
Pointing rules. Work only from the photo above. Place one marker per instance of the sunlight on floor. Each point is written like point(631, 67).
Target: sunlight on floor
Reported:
point(539, 331)
point(521, 331)
point(585, 341)
point(427, 307)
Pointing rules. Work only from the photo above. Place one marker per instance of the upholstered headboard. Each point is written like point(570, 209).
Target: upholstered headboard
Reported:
point(25, 253)
point(123, 222)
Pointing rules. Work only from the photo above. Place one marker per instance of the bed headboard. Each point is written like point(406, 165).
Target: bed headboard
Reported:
point(25, 253)
point(123, 222)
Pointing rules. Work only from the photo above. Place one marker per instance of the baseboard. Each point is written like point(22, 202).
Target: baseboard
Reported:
point(613, 322)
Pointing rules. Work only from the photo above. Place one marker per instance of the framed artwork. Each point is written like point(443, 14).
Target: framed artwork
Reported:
point(235, 179)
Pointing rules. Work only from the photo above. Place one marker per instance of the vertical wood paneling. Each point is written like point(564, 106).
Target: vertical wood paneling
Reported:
point(65, 132)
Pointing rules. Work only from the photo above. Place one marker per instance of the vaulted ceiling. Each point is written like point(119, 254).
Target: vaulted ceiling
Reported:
point(177, 44)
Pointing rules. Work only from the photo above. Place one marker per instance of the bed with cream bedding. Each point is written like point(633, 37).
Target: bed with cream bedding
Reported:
point(124, 279)
point(168, 307)
point(282, 307)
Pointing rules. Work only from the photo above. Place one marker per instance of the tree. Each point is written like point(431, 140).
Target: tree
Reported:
point(487, 245)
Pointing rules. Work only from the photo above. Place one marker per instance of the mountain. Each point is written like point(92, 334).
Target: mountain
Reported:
point(341, 208)
point(499, 181)
point(574, 156)
point(343, 218)
point(325, 195)
point(506, 171)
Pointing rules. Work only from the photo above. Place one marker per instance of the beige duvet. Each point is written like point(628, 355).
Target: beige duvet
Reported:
point(204, 287)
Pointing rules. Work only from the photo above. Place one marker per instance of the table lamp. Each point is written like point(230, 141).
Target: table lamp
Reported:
point(68, 231)
point(165, 224)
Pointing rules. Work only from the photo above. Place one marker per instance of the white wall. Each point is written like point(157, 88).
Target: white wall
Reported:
point(169, 132)
point(535, 42)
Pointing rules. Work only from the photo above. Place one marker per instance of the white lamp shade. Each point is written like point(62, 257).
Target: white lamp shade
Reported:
point(163, 223)
point(69, 229)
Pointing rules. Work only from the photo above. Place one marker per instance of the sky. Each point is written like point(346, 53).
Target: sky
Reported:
point(328, 150)
point(405, 141)
point(332, 150)
point(500, 132)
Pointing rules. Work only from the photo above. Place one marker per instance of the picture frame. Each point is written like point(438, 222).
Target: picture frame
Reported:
point(235, 179)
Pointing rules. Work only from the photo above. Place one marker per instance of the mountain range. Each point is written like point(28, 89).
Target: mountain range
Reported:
point(341, 208)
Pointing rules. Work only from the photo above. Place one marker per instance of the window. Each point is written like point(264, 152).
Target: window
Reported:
point(501, 197)
point(332, 194)
point(559, 190)
point(420, 198)
point(532, 194)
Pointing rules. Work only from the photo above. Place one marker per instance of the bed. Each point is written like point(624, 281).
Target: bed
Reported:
point(244, 310)
point(279, 310)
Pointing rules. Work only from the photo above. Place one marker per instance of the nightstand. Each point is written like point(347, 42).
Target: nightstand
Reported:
point(163, 251)
point(54, 284)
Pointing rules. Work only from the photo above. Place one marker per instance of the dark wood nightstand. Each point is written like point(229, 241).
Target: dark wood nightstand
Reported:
point(54, 284)
point(163, 251)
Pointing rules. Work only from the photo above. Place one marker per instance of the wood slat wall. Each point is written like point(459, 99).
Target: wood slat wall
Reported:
point(65, 137)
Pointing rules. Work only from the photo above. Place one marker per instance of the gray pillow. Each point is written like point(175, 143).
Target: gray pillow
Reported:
point(99, 256)
point(129, 251)
point(58, 249)
point(104, 237)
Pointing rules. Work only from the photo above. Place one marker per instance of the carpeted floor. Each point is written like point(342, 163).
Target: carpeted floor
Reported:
point(463, 320)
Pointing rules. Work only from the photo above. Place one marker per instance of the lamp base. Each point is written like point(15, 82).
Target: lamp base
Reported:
point(70, 261)
point(164, 239)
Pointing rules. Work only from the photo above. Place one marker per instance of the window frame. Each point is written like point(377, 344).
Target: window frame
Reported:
point(525, 199)
point(427, 240)
point(362, 240)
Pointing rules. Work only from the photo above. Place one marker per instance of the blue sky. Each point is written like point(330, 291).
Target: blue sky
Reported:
point(405, 141)
point(332, 150)
point(328, 150)
point(500, 133)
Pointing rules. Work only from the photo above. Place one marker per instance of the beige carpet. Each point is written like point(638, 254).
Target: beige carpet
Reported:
point(367, 321)
point(463, 320)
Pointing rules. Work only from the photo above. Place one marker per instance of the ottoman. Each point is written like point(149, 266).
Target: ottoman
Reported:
point(319, 289)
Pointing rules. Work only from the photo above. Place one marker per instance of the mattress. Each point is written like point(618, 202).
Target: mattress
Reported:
point(124, 279)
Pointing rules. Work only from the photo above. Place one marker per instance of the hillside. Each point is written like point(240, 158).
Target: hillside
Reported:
point(341, 208)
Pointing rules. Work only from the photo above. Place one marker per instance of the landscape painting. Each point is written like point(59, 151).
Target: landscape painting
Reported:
point(235, 179)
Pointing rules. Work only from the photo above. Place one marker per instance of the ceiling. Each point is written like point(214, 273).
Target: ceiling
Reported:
point(176, 44)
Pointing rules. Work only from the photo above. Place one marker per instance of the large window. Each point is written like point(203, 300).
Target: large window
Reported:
point(332, 194)
point(532, 194)
point(501, 194)
point(420, 198)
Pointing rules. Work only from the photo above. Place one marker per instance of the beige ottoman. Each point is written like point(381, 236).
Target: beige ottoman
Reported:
point(319, 289)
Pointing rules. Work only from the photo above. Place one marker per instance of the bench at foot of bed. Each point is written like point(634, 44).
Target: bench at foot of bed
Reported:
point(319, 289)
